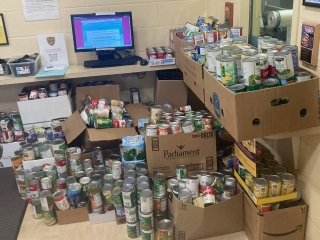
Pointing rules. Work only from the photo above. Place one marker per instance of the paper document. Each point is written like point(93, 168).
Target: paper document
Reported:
point(40, 9)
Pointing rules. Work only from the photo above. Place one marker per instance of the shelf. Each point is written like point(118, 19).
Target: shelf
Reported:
point(78, 71)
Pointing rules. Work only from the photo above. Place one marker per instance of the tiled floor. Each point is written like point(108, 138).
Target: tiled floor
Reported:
point(32, 229)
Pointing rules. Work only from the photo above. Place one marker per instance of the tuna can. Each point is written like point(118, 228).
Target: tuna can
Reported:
point(60, 200)
point(159, 185)
point(251, 73)
point(274, 186)
point(212, 53)
point(46, 183)
point(159, 205)
point(117, 197)
point(131, 214)
point(175, 127)
point(185, 195)
point(260, 188)
point(146, 221)
point(181, 172)
point(133, 230)
point(287, 183)
point(146, 201)
point(264, 67)
point(46, 200)
point(152, 130)
point(188, 127)
point(284, 66)
point(165, 230)
point(116, 170)
point(128, 195)
point(147, 235)
point(228, 71)
point(192, 184)
point(164, 129)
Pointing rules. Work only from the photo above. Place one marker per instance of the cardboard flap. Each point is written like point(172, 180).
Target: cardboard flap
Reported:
point(109, 134)
point(73, 126)
point(137, 111)
point(101, 91)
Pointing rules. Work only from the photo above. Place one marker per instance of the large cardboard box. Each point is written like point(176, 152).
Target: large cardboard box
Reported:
point(253, 114)
point(283, 224)
point(42, 111)
point(6, 152)
point(178, 44)
point(72, 215)
point(137, 111)
point(196, 150)
point(193, 222)
point(171, 90)
point(75, 129)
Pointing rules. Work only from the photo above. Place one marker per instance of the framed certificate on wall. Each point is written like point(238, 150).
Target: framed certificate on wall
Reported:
point(3, 32)
point(311, 3)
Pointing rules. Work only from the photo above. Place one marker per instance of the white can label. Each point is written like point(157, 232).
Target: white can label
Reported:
point(116, 172)
point(146, 204)
point(44, 204)
point(193, 186)
point(63, 204)
point(127, 199)
point(131, 214)
point(62, 169)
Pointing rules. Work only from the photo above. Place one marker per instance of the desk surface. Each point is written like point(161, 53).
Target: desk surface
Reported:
point(32, 229)
point(78, 71)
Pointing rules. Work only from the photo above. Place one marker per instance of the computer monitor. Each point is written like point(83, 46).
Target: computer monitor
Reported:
point(102, 32)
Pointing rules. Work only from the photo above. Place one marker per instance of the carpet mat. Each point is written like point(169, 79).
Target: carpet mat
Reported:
point(12, 207)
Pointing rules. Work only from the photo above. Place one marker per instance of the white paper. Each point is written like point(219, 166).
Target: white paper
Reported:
point(53, 51)
point(40, 9)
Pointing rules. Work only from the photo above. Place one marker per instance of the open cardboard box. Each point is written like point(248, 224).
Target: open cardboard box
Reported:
point(178, 44)
point(251, 114)
point(196, 150)
point(193, 222)
point(74, 127)
point(73, 215)
point(137, 111)
point(283, 224)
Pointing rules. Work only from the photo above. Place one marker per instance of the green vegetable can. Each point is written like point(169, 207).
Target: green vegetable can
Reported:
point(228, 71)
point(133, 230)
point(284, 65)
point(132, 149)
point(251, 73)
point(147, 235)
point(146, 221)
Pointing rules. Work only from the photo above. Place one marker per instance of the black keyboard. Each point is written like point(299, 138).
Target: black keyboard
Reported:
point(111, 62)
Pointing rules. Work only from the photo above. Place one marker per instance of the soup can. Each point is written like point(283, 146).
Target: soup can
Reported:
point(147, 235)
point(165, 230)
point(287, 183)
point(274, 186)
point(159, 185)
point(192, 184)
point(146, 221)
point(159, 205)
point(146, 201)
point(60, 200)
point(228, 71)
point(284, 65)
point(260, 188)
point(128, 195)
point(251, 73)
point(131, 214)
point(133, 230)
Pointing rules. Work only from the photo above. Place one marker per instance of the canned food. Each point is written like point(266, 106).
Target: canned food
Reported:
point(284, 66)
point(74, 190)
point(60, 200)
point(131, 214)
point(212, 36)
point(142, 179)
point(46, 183)
point(133, 230)
point(147, 235)
point(61, 185)
point(274, 188)
point(36, 208)
point(49, 217)
point(228, 71)
point(270, 82)
point(95, 197)
point(46, 200)
point(208, 194)
point(264, 208)
point(172, 183)
point(117, 197)
point(128, 195)
point(152, 130)
point(130, 173)
point(159, 205)
point(164, 129)
point(211, 56)
point(146, 201)
point(251, 73)
point(260, 188)
point(279, 170)
point(287, 183)
point(265, 172)
point(159, 185)
point(228, 192)
point(165, 230)
point(181, 172)
point(146, 221)
point(188, 127)
point(175, 127)
point(156, 112)
point(116, 170)
point(192, 184)
point(185, 195)
point(249, 180)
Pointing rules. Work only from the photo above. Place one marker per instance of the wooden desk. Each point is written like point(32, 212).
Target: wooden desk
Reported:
point(33, 229)
point(78, 71)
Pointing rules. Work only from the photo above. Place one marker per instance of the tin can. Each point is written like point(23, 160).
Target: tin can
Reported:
point(224, 33)
point(42, 93)
point(156, 112)
point(219, 58)
point(260, 188)
point(284, 65)
point(16, 121)
point(128, 195)
point(207, 122)
point(146, 201)
point(165, 230)
point(107, 197)
point(287, 183)
point(95, 197)
point(271, 63)
point(28, 153)
point(60, 200)
point(212, 36)
point(147, 235)
point(192, 184)
point(36, 208)
point(97, 157)
point(274, 185)
point(151, 130)
point(188, 127)
point(146, 221)
point(84, 181)
point(164, 129)
point(212, 53)
point(62, 91)
point(117, 197)
point(74, 190)
point(198, 124)
point(118, 183)
point(35, 188)
point(120, 215)
point(198, 38)
point(61, 185)
point(49, 217)
point(264, 208)
point(208, 196)
point(133, 230)
point(159, 205)
point(185, 195)
point(130, 180)
point(228, 192)
point(249, 180)
point(142, 179)
point(175, 127)
point(181, 172)
point(270, 82)
point(228, 71)
point(218, 182)
point(141, 186)
point(267, 47)
point(251, 73)
point(159, 185)
point(264, 67)
point(46, 183)
point(23, 96)
point(236, 32)
point(109, 161)
point(131, 214)
point(101, 123)
point(172, 182)
point(116, 170)
point(265, 172)
point(279, 170)
point(46, 200)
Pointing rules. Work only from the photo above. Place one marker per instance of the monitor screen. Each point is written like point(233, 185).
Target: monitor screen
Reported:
point(108, 31)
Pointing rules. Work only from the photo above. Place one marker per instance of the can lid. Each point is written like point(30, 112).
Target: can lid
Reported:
point(273, 178)
point(159, 176)
point(84, 180)
point(116, 191)
point(129, 180)
point(127, 187)
point(164, 224)
point(143, 185)
point(146, 193)
point(142, 179)
point(261, 181)
point(288, 177)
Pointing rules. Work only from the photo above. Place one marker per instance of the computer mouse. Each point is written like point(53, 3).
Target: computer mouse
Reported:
point(144, 62)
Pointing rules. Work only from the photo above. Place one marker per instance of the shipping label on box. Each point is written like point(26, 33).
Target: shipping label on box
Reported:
point(6, 152)
point(196, 150)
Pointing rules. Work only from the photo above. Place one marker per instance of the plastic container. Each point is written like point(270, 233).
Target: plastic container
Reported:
point(4, 67)
point(23, 69)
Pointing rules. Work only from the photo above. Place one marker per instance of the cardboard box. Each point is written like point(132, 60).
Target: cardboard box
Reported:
point(172, 91)
point(247, 158)
point(96, 218)
point(42, 111)
point(137, 111)
point(193, 75)
point(192, 222)
point(101, 91)
point(251, 114)
point(7, 151)
point(196, 150)
point(267, 200)
point(72, 215)
point(283, 224)
point(178, 44)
